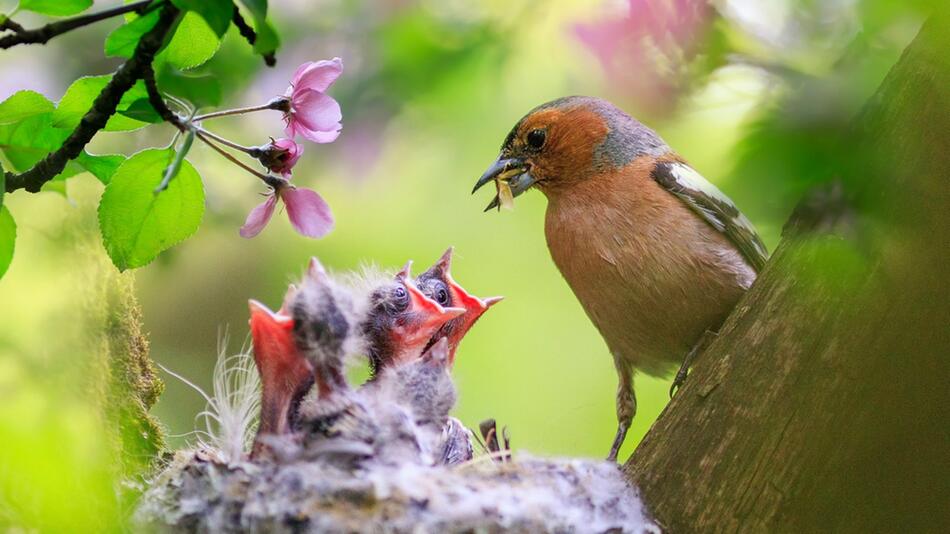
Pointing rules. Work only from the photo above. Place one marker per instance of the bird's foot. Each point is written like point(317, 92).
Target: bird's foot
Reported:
point(683, 371)
point(618, 441)
point(679, 378)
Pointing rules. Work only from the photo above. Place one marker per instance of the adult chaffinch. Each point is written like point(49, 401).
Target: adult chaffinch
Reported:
point(655, 253)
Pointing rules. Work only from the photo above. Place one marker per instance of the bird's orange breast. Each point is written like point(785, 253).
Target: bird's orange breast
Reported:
point(651, 275)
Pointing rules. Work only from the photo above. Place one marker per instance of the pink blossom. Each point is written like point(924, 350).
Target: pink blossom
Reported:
point(646, 52)
point(309, 214)
point(280, 155)
point(313, 114)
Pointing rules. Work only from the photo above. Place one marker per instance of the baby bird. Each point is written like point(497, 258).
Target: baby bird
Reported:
point(389, 320)
point(401, 321)
point(325, 318)
point(286, 375)
point(655, 253)
point(437, 284)
point(423, 388)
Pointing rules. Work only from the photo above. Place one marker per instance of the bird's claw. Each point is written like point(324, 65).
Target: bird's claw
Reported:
point(678, 380)
point(618, 441)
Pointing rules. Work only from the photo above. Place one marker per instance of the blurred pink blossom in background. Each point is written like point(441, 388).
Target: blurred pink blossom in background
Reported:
point(645, 53)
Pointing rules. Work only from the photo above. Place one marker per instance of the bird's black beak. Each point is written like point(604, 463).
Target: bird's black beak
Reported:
point(509, 174)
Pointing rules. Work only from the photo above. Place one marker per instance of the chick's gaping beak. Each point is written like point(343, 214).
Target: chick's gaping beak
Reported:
point(514, 172)
point(285, 373)
point(431, 315)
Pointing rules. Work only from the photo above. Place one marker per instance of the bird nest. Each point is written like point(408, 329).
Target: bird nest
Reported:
point(198, 493)
point(384, 456)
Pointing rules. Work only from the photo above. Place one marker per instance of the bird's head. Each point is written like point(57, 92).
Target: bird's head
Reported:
point(402, 320)
point(437, 284)
point(563, 142)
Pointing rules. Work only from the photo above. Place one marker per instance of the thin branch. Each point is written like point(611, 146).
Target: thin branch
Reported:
point(252, 151)
point(248, 33)
point(6, 23)
point(268, 179)
point(102, 108)
point(157, 101)
point(278, 104)
point(43, 34)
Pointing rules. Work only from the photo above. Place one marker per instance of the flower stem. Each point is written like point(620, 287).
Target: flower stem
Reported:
point(252, 151)
point(279, 104)
point(268, 179)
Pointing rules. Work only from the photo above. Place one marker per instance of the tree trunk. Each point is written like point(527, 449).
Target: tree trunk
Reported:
point(822, 405)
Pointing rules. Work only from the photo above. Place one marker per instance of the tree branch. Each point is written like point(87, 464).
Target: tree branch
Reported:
point(248, 33)
point(45, 33)
point(157, 101)
point(102, 108)
point(818, 407)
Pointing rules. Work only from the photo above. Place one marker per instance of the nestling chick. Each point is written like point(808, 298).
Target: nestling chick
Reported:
point(286, 375)
point(424, 389)
point(656, 254)
point(325, 316)
point(437, 284)
point(401, 321)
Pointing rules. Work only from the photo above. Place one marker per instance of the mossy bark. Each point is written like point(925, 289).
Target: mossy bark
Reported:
point(822, 406)
point(120, 376)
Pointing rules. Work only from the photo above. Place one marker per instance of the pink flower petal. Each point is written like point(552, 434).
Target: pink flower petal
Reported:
point(308, 212)
point(314, 136)
point(294, 151)
point(317, 75)
point(316, 111)
point(258, 218)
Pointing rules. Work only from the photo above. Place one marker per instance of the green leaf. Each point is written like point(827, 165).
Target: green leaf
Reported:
point(201, 90)
point(123, 40)
point(136, 223)
point(142, 110)
point(3, 184)
point(7, 239)
point(267, 39)
point(217, 13)
point(100, 166)
point(56, 8)
point(83, 92)
point(258, 8)
point(26, 142)
point(30, 140)
point(193, 43)
point(23, 104)
point(56, 185)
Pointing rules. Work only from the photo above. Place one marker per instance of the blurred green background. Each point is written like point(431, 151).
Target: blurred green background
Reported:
point(757, 96)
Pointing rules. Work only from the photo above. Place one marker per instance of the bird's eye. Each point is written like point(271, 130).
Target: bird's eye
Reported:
point(442, 296)
point(400, 300)
point(536, 138)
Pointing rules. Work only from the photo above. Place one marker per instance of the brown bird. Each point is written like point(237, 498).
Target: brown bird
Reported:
point(655, 253)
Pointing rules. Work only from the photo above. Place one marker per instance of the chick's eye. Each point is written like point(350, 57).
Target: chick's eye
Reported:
point(400, 299)
point(442, 296)
point(536, 138)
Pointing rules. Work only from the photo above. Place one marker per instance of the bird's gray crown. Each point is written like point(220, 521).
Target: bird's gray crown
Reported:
point(626, 140)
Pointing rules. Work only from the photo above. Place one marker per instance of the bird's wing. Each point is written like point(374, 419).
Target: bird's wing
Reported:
point(714, 207)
